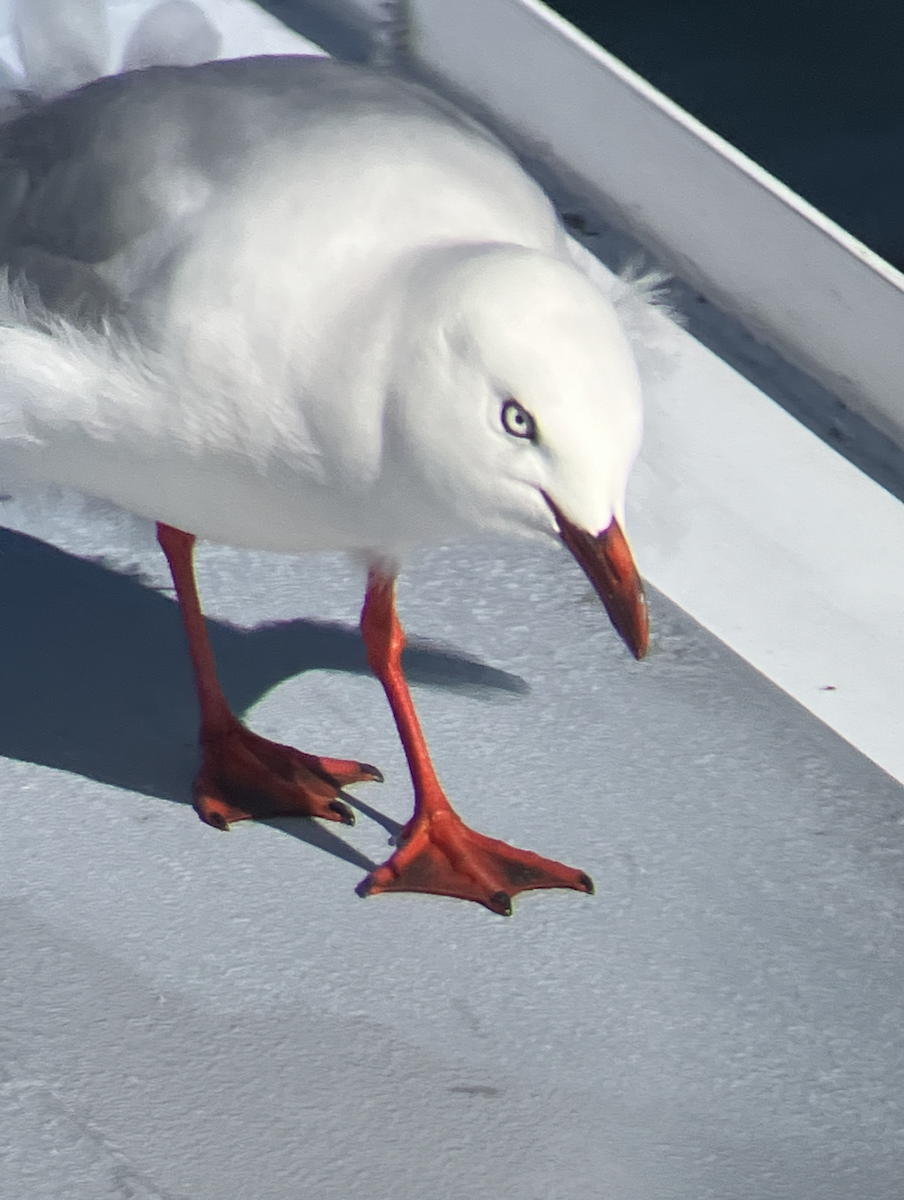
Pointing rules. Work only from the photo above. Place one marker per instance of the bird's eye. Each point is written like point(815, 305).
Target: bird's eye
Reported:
point(518, 422)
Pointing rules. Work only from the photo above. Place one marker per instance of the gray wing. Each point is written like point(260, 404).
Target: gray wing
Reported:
point(86, 177)
point(70, 196)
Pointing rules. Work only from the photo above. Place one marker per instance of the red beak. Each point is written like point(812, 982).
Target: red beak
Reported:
point(607, 562)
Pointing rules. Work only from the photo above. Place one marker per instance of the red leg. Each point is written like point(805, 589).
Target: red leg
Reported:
point(437, 852)
point(242, 775)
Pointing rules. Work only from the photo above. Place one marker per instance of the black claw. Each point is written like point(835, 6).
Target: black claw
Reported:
point(363, 888)
point(342, 811)
point(587, 883)
point(368, 769)
point(502, 903)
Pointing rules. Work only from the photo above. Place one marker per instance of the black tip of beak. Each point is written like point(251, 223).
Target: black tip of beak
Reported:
point(606, 560)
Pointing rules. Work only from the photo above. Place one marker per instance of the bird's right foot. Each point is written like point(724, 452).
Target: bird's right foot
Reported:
point(245, 777)
point(439, 854)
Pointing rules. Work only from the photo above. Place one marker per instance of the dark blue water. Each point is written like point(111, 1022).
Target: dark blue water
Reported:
point(813, 91)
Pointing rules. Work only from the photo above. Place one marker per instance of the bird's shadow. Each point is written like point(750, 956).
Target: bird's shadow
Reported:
point(95, 678)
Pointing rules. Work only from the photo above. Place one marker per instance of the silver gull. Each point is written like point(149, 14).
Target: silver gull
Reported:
point(289, 304)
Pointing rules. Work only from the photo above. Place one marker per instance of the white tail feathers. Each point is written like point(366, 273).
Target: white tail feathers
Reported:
point(173, 33)
point(63, 44)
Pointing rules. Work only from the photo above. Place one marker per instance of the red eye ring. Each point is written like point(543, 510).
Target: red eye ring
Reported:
point(517, 421)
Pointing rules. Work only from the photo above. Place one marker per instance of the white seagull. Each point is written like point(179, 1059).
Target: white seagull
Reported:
point(289, 304)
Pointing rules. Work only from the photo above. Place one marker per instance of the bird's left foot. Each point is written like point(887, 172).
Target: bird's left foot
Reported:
point(244, 776)
point(439, 854)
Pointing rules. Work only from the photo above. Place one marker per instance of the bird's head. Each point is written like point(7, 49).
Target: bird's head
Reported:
point(534, 414)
